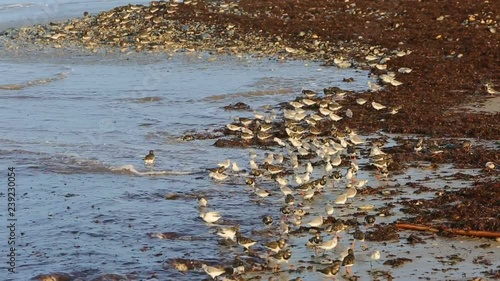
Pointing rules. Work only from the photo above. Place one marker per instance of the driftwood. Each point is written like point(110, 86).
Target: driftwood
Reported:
point(477, 233)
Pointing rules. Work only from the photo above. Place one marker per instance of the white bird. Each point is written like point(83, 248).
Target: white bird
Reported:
point(227, 232)
point(269, 159)
point(329, 209)
point(355, 139)
point(225, 164)
point(202, 202)
point(235, 167)
point(341, 199)
point(253, 165)
point(375, 256)
point(334, 116)
point(279, 141)
point(336, 160)
point(377, 105)
point(360, 183)
point(361, 101)
point(281, 181)
point(351, 192)
point(285, 190)
point(309, 168)
point(316, 222)
point(213, 271)
point(349, 174)
point(261, 192)
point(308, 194)
point(211, 217)
point(328, 167)
point(218, 176)
point(328, 245)
point(374, 87)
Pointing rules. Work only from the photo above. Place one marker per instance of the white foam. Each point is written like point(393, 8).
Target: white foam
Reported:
point(131, 169)
point(13, 6)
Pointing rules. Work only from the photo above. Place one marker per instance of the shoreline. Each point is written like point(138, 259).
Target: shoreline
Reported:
point(435, 87)
point(362, 34)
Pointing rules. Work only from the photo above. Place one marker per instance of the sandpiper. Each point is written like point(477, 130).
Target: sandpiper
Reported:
point(358, 235)
point(150, 158)
point(202, 202)
point(228, 232)
point(331, 270)
point(377, 105)
point(276, 246)
point(328, 245)
point(213, 271)
point(375, 256)
point(244, 241)
point(267, 220)
point(282, 256)
point(348, 261)
point(211, 217)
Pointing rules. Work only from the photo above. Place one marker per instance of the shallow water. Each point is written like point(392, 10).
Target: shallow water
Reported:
point(76, 127)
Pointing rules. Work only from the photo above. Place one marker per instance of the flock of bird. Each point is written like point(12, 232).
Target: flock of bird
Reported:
point(308, 163)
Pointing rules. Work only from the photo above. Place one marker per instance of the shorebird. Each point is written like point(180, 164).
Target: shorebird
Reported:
point(370, 219)
point(329, 209)
point(360, 236)
point(225, 164)
point(202, 202)
point(282, 256)
point(489, 88)
point(150, 158)
point(361, 101)
point(244, 241)
point(210, 217)
point(341, 199)
point(228, 232)
point(336, 227)
point(218, 176)
point(328, 245)
point(285, 190)
point(418, 147)
point(348, 261)
point(213, 271)
point(316, 222)
point(235, 167)
point(267, 220)
point(331, 270)
point(377, 105)
point(276, 246)
point(375, 256)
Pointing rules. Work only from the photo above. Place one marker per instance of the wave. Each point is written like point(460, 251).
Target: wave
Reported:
point(130, 169)
point(14, 6)
point(19, 86)
point(250, 94)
